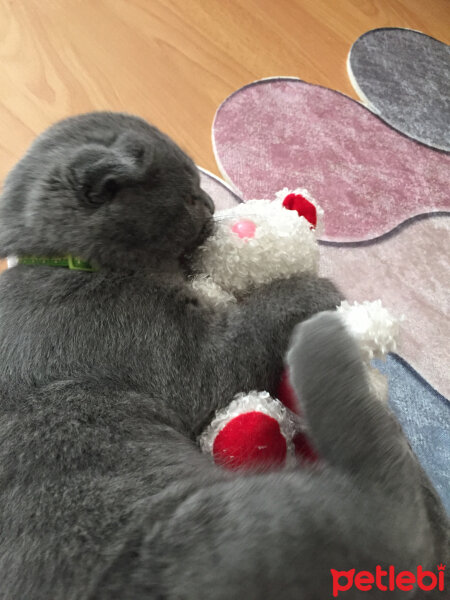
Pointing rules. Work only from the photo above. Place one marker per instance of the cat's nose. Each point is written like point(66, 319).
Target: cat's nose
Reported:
point(207, 200)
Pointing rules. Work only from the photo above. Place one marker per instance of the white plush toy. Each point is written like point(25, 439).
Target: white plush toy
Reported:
point(257, 242)
point(253, 244)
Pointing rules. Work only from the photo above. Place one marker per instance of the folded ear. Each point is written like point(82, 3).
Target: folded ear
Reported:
point(98, 173)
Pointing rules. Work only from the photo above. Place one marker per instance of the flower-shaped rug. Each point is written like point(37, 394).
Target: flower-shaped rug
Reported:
point(275, 133)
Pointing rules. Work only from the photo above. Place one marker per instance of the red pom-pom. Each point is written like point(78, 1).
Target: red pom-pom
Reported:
point(250, 440)
point(303, 206)
point(286, 394)
point(304, 450)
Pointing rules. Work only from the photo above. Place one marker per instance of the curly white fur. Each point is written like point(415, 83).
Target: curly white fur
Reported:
point(210, 292)
point(372, 325)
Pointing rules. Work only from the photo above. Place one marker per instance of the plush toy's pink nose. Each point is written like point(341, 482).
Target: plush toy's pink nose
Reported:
point(244, 228)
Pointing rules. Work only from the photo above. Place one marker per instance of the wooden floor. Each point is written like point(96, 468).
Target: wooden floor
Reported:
point(174, 61)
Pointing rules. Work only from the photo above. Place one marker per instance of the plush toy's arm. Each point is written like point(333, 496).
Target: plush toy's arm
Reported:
point(376, 330)
point(259, 329)
point(373, 326)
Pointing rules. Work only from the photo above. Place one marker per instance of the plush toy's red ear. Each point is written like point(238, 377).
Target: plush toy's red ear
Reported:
point(303, 206)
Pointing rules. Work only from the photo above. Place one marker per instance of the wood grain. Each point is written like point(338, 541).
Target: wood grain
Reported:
point(174, 61)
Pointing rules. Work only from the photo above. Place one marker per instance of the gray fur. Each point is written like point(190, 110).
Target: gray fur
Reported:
point(108, 377)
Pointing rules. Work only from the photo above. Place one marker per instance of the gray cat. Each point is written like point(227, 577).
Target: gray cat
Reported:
point(107, 377)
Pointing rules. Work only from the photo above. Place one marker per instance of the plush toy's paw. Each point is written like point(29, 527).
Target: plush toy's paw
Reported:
point(257, 432)
point(211, 294)
point(254, 431)
point(372, 325)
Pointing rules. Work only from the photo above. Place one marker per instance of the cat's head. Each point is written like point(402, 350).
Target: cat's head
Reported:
point(108, 188)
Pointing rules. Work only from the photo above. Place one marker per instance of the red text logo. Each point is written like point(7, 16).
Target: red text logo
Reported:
point(388, 579)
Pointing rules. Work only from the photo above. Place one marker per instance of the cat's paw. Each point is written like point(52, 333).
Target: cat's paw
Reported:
point(325, 338)
point(325, 346)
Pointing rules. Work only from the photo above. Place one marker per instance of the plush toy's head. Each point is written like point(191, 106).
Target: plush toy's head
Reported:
point(262, 240)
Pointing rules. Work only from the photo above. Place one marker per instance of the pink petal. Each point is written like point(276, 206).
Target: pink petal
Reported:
point(368, 178)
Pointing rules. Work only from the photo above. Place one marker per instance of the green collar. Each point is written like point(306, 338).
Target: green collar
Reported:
point(70, 262)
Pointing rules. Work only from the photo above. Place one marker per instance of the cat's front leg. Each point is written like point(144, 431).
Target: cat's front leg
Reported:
point(249, 354)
